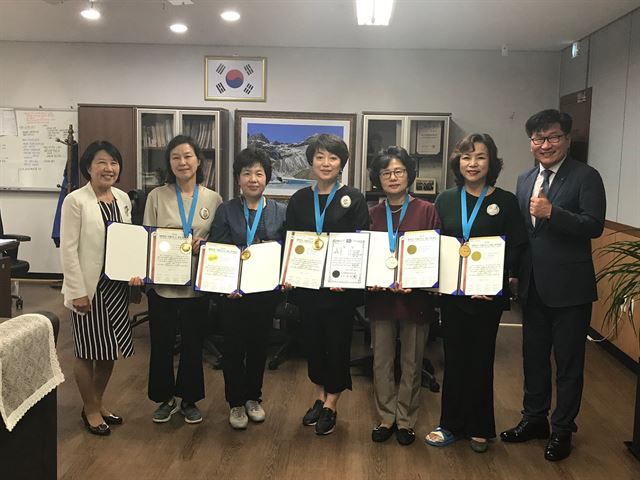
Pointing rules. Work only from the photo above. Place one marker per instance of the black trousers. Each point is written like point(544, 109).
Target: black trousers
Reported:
point(327, 338)
point(167, 316)
point(469, 352)
point(246, 323)
point(565, 330)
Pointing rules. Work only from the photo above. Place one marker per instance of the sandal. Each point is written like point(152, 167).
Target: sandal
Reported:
point(445, 438)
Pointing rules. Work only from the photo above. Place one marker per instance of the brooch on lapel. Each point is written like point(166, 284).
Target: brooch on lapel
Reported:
point(345, 201)
point(204, 213)
point(493, 209)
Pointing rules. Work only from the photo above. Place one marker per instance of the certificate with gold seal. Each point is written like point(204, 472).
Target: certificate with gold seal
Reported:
point(224, 268)
point(304, 259)
point(418, 262)
point(157, 255)
point(479, 272)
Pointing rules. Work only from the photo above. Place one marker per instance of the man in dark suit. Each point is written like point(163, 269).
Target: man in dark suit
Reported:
point(563, 203)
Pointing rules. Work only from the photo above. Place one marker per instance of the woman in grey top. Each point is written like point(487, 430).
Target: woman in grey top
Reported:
point(246, 319)
point(182, 203)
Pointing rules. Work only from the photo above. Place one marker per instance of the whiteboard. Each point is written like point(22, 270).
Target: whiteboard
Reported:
point(33, 160)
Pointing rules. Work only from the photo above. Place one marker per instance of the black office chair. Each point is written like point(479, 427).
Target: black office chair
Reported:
point(19, 268)
point(287, 323)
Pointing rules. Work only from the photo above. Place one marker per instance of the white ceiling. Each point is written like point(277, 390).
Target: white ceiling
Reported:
point(432, 24)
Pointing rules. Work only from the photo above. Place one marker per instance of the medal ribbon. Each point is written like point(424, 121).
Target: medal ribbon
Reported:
point(316, 206)
point(186, 222)
point(393, 236)
point(253, 228)
point(467, 222)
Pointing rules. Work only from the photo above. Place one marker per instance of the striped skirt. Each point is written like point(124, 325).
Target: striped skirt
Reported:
point(105, 330)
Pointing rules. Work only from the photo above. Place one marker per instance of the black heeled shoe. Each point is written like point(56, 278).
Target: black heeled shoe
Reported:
point(102, 429)
point(113, 419)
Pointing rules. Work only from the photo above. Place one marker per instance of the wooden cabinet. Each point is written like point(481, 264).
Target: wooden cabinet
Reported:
point(142, 133)
point(425, 136)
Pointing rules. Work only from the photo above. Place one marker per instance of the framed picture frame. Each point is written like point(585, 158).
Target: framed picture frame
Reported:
point(240, 79)
point(285, 136)
point(425, 185)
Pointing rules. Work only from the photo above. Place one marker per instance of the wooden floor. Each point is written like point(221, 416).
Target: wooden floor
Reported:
point(281, 448)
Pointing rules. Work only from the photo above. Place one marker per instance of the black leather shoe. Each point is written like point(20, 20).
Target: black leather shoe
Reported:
point(313, 414)
point(382, 434)
point(559, 447)
point(405, 436)
point(112, 419)
point(102, 429)
point(525, 431)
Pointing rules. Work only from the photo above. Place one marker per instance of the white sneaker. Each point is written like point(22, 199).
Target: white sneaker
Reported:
point(238, 418)
point(255, 411)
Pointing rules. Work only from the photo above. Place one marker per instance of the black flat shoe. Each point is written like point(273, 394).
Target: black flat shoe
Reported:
point(112, 419)
point(382, 434)
point(102, 429)
point(405, 436)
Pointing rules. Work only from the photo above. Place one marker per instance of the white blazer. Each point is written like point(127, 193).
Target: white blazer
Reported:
point(82, 239)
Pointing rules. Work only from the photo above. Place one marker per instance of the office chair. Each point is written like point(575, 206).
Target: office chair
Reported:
point(287, 322)
point(19, 268)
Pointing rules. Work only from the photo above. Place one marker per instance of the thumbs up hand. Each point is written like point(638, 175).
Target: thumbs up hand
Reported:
point(540, 206)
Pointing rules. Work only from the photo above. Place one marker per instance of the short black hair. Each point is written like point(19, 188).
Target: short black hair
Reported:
point(250, 156)
point(466, 145)
point(330, 143)
point(544, 119)
point(170, 177)
point(383, 159)
point(90, 153)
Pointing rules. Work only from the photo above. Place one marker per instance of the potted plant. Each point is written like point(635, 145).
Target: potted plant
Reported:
point(622, 274)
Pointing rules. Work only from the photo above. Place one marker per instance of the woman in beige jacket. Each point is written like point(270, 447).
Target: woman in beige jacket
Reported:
point(99, 306)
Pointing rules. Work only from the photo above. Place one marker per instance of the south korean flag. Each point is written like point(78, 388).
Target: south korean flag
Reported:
point(235, 79)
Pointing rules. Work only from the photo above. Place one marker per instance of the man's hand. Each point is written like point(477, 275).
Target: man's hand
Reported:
point(540, 206)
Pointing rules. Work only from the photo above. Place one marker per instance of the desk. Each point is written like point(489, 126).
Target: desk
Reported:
point(5, 287)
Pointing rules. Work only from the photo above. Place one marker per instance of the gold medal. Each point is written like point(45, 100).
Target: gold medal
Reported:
point(411, 249)
point(391, 262)
point(465, 250)
point(245, 255)
point(299, 250)
point(318, 243)
point(185, 247)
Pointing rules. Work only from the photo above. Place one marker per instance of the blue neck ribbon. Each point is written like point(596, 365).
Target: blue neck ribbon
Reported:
point(467, 222)
point(253, 228)
point(393, 236)
point(316, 206)
point(186, 222)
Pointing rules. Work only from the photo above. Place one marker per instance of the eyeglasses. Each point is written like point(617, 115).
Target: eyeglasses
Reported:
point(398, 172)
point(553, 139)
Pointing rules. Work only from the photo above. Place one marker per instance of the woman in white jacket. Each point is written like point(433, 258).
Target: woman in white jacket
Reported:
point(99, 306)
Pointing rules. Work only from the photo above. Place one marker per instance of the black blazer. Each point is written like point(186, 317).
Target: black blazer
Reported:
point(559, 252)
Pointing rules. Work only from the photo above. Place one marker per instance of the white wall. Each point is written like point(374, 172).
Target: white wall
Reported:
point(612, 68)
point(483, 91)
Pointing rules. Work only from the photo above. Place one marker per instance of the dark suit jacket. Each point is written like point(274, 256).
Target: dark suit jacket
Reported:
point(559, 253)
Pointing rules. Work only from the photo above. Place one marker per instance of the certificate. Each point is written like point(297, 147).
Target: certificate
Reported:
point(481, 272)
point(378, 272)
point(304, 257)
point(428, 138)
point(224, 268)
point(419, 253)
point(218, 268)
point(157, 255)
point(347, 260)
point(169, 260)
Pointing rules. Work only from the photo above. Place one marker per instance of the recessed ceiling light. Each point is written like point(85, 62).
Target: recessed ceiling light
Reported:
point(179, 28)
point(230, 16)
point(90, 13)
